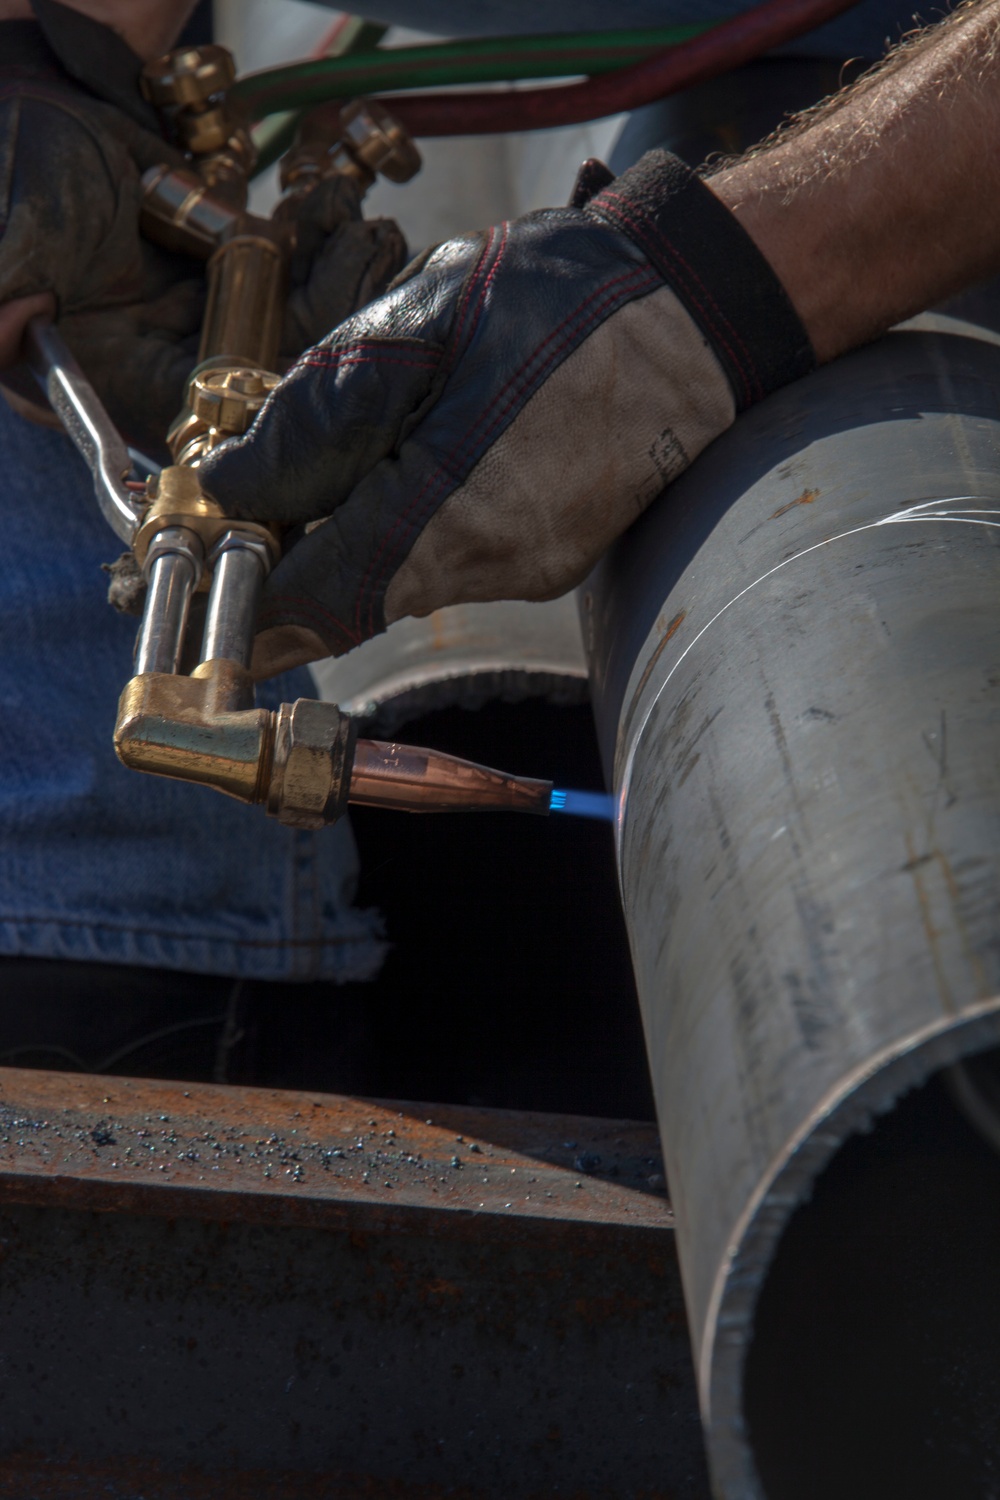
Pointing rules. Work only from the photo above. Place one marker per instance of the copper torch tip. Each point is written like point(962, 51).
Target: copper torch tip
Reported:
point(413, 779)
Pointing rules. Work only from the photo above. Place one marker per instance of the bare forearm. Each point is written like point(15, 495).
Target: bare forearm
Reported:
point(887, 199)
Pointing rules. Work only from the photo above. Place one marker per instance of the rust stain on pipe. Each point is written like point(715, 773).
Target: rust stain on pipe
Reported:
point(806, 498)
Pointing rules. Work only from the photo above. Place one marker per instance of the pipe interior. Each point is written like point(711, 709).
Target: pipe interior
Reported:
point(874, 1367)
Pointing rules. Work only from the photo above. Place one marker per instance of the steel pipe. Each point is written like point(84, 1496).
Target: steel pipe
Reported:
point(796, 659)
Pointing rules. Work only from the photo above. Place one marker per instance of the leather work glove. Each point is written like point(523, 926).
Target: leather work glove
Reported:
point(69, 207)
point(341, 261)
point(130, 311)
point(487, 428)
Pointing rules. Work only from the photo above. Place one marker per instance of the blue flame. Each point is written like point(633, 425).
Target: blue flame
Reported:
point(582, 804)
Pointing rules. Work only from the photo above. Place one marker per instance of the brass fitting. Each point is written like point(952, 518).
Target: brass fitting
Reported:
point(189, 88)
point(247, 262)
point(377, 140)
point(227, 401)
point(248, 256)
point(198, 728)
point(188, 77)
point(221, 401)
point(360, 140)
point(311, 767)
point(246, 285)
point(180, 212)
point(177, 499)
point(303, 762)
point(203, 729)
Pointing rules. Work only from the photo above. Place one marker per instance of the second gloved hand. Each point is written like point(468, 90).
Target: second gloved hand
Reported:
point(487, 427)
point(70, 242)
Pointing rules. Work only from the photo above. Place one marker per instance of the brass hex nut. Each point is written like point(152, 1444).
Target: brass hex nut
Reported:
point(379, 141)
point(228, 400)
point(311, 773)
point(188, 76)
point(205, 130)
point(177, 499)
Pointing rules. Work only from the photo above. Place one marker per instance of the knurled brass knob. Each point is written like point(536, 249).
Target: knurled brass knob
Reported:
point(378, 140)
point(205, 130)
point(228, 400)
point(188, 77)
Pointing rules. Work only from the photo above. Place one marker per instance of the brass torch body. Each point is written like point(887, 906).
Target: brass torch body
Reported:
point(246, 287)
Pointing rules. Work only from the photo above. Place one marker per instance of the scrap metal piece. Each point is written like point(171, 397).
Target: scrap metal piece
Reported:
point(249, 1278)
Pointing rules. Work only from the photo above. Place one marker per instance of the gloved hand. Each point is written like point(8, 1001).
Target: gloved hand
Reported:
point(341, 261)
point(491, 424)
point(130, 311)
point(69, 205)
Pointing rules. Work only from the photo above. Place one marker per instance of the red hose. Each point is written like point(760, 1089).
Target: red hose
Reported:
point(726, 46)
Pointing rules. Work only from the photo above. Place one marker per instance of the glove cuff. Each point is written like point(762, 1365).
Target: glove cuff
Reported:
point(711, 263)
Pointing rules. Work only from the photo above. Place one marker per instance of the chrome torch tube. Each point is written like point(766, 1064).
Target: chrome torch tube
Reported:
point(241, 565)
point(173, 577)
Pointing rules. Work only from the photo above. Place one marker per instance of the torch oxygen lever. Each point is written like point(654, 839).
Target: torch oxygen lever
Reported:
point(78, 407)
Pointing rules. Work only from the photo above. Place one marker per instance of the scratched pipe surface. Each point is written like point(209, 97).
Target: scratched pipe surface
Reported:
point(796, 657)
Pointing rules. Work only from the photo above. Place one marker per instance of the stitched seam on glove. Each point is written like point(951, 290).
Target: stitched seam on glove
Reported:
point(525, 382)
point(520, 387)
point(339, 360)
point(456, 342)
point(644, 281)
point(391, 346)
point(274, 613)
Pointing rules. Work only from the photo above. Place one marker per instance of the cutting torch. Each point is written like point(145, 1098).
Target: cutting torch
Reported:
point(303, 762)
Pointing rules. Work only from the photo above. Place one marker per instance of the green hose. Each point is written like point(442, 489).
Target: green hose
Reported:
point(302, 85)
point(273, 136)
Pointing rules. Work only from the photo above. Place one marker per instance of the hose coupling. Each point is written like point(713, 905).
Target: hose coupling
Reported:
point(177, 500)
point(361, 140)
point(190, 89)
point(311, 767)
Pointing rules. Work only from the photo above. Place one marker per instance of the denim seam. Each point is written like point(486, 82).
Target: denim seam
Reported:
point(213, 939)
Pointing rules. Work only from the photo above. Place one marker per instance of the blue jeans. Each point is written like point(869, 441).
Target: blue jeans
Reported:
point(99, 863)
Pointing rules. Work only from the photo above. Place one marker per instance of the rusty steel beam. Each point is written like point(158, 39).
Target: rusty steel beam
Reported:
point(243, 1292)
